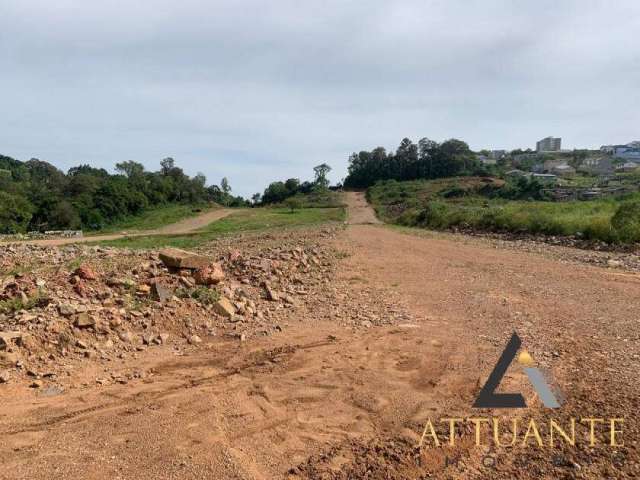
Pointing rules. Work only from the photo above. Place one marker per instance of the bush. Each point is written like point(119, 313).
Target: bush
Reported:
point(293, 203)
point(626, 222)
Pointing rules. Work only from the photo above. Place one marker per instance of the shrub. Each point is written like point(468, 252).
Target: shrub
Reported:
point(293, 203)
point(626, 221)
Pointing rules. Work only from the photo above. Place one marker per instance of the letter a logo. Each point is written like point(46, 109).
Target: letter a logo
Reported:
point(488, 398)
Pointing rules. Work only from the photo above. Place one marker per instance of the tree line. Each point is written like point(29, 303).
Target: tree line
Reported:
point(35, 195)
point(426, 159)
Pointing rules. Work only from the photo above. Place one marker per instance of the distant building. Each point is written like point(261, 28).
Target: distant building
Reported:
point(597, 166)
point(630, 151)
point(486, 160)
point(545, 178)
point(632, 154)
point(563, 170)
point(549, 165)
point(627, 167)
point(498, 154)
point(549, 144)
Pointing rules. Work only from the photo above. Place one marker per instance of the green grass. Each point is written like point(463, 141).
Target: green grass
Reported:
point(424, 204)
point(154, 218)
point(247, 220)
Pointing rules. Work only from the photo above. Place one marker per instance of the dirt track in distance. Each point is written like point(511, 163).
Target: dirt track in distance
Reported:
point(183, 226)
point(324, 400)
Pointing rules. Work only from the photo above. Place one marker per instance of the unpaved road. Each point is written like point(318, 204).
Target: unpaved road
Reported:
point(359, 211)
point(325, 401)
point(183, 226)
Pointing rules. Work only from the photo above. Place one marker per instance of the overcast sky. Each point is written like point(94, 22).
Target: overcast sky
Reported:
point(259, 91)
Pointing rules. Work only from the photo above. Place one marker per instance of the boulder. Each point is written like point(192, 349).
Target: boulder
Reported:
point(84, 320)
point(211, 274)
point(224, 307)
point(66, 310)
point(177, 258)
point(161, 293)
point(85, 273)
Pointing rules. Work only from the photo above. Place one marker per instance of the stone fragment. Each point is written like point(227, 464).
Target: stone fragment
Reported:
point(224, 307)
point(125, 335)
point(272, 294)
point(177, 258)
point(84, 320)
point(161, 293)
point(85, 273)
point(211, 274)
point(66, 310)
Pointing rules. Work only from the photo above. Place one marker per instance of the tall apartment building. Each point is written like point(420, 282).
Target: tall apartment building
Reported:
point(549, 144)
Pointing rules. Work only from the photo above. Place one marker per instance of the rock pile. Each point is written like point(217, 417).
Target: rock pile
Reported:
point(61, 306)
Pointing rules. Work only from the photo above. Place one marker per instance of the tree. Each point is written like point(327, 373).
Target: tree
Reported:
point(255, 198)
point(15, 213)
point(133, 169)
point(276, 192)
point(224, 185)
point(292, 184)
point(167, 164)
point(321, 171)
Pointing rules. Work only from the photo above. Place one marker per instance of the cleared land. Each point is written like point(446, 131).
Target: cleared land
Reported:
point(392, 330)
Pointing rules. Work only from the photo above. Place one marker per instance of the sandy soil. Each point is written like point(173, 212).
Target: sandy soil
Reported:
point(184, 226)
point(326, 401)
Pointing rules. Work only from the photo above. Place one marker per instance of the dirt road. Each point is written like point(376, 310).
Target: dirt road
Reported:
point(183, 226)
point(321, 400)
point(359, 211)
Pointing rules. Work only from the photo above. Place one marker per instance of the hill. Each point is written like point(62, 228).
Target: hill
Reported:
point(493, 205)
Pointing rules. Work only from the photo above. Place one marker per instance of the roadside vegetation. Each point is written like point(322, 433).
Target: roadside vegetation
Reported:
point(245, 220)
point(154, 218)
point(36, 196)
point(485, 204)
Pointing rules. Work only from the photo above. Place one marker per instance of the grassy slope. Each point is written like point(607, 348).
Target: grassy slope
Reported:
point(420, 203)
point(241, 221)
point(154, 218)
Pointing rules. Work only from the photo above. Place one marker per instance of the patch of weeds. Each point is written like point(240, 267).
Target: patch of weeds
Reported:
point(203, 295)
point(342, 255)
point(12, 305)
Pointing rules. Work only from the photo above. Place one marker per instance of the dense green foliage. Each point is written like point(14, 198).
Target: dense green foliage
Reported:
point(477, 205)
point(427, 159)
point(309, 194)
point(35, 195)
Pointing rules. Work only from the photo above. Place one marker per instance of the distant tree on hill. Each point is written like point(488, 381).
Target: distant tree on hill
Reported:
point(321, 171)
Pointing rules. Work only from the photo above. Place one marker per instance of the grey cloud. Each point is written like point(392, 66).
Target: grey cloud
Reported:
point(264, 90)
